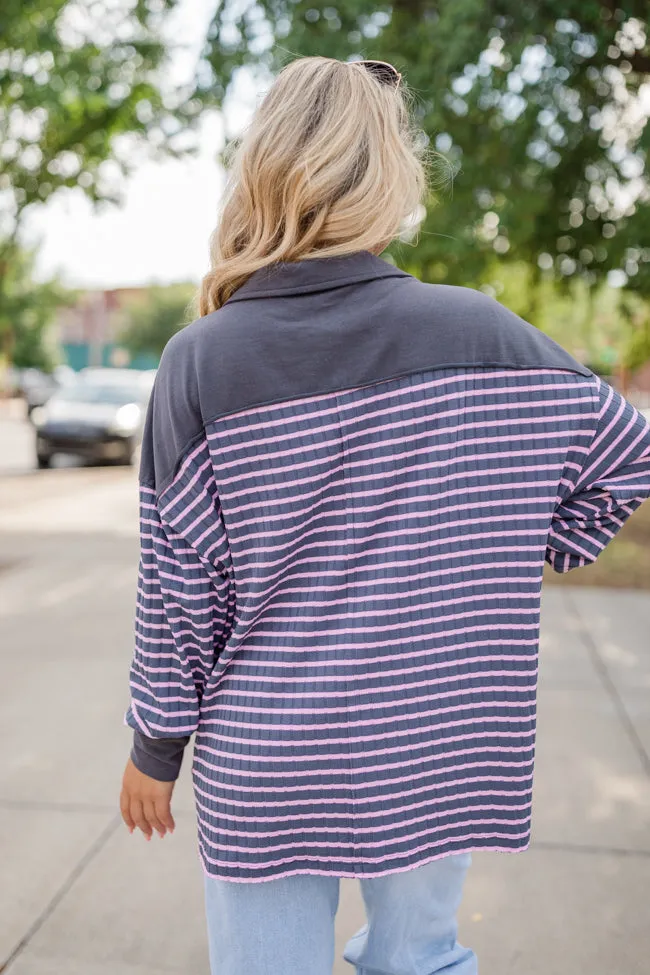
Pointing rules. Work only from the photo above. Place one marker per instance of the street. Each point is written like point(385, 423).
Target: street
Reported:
point(80, 896)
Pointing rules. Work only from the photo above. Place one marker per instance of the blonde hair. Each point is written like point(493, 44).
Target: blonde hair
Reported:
point(330, 164)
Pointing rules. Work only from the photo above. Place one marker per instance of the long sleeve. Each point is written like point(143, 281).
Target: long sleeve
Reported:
point(598, 495)
point(185, 600)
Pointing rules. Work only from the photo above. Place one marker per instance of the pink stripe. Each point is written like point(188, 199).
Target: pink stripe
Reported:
point(380, 597)
point(385, 477)
point(526, 487)
point(429, 447)
point(296, 787)
point(212, 713)
point(398, 611)
point(342, 740)
point(612, 446)
point(407, 625)
point(355, 694)
point(353, 874)
point(350, 557)
point(175, 621)
point(481, 379)
point(365, 844)
point(424, 533)
point(359, 816)
point(320, 755)
point(392, 520)
point(330, 800)
point(187, 461)
point(179, 730)
point(568, 542)
point(297, 512)
point(396, 579)
point(403, 400)
point(199, 496)
point(297, 827)
point(222, 538)
point(332, 446)
point(459, 442)
point(136, 717)
point(314, 677)
point(197, 521)
point(424, 438)
point(191, 484)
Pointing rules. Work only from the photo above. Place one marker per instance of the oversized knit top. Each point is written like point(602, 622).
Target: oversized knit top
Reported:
point(350, 482)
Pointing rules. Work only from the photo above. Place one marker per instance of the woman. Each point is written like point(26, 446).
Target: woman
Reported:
point(350, 482)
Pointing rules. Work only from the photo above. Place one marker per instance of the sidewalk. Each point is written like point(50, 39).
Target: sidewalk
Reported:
point(79, 896)
point(12, 408)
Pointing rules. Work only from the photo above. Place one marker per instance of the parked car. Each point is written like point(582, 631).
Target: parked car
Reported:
point(142, 378)
point(37, 386)
point(99, 418)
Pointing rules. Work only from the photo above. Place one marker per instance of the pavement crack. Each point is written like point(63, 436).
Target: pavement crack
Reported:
point(65, 887)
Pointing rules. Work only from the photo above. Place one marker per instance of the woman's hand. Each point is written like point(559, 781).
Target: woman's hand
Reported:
point(145, 802)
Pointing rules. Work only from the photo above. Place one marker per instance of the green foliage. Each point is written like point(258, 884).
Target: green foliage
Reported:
point(637, 352)
point(26, 309)
point(81, 92)
point(80, 86)
point(534, 105)
point(151, 321)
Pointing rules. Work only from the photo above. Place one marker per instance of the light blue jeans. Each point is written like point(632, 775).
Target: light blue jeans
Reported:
point(286, 926)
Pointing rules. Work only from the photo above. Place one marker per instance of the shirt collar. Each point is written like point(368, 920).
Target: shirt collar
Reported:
point(314, 274)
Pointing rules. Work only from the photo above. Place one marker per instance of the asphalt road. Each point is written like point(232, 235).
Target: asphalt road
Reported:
point(79, 896)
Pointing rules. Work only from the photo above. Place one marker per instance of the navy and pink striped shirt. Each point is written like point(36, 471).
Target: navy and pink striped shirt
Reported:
point(350, 482)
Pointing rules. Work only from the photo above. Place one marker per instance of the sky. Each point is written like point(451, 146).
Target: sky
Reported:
point(160, 232)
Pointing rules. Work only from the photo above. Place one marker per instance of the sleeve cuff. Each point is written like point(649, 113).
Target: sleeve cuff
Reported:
point(159, 758)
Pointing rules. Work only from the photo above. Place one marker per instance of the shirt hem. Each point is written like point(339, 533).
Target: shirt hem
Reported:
point(360, 875)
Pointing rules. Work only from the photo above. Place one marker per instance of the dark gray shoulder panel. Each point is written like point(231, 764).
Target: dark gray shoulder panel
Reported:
point(476, 330)
point(174, 415)
point(281, 347)
point(263, 351)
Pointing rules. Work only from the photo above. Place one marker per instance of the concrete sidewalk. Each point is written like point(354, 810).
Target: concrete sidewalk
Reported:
point(79, 896)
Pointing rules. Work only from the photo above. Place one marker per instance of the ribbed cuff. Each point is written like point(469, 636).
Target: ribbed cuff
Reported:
point(159, 758)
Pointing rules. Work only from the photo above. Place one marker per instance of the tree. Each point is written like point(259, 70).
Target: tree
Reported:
point(81, 94)
point(80, 88)
point(535, 106)
point(26, 310)
point(152, 321)
point(637, 348)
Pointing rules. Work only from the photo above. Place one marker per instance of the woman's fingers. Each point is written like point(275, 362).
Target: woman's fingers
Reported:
point(151, 816)
point(125, 809)
point(138, 816)
point(145, 802)
point(164, 813)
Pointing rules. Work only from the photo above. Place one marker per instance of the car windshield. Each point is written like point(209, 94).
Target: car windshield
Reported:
point(112, 395)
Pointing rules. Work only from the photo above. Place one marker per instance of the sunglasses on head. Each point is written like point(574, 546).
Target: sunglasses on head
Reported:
point(384, 72)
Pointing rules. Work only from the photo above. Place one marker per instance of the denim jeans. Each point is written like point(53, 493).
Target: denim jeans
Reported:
point(286, 926)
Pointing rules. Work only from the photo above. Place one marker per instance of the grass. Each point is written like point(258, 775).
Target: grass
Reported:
point(625, 563)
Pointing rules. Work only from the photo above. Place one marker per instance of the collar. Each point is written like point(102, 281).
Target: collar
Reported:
point(314, 274)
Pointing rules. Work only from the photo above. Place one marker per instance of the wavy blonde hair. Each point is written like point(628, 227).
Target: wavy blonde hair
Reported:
point(330, 164)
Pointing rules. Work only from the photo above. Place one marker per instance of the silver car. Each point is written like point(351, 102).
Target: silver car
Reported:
point(97, 418)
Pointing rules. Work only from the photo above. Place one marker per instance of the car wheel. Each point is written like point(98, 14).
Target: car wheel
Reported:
point(43, 461)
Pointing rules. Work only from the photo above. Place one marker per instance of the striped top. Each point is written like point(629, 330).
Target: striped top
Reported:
point(350, 482)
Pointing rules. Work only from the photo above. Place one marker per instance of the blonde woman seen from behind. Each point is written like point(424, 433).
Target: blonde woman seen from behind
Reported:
point(350, 483)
